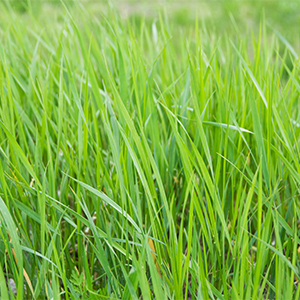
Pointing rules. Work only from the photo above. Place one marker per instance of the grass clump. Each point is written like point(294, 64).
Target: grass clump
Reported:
point(139, 161)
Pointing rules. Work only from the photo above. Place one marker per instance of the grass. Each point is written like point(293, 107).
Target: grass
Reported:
point(147, 160)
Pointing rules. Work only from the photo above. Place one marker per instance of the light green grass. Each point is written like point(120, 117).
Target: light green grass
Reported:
point(183, 136)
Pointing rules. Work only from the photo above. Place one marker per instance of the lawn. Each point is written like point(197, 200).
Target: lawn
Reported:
point(149, 150)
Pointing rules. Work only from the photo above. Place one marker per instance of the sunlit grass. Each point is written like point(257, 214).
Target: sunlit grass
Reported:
point(140, 161)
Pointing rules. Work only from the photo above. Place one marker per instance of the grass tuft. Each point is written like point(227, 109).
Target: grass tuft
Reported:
point(147, 158)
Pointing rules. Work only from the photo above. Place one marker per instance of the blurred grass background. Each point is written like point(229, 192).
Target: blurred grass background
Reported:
point(227, 19)
point(221, 16)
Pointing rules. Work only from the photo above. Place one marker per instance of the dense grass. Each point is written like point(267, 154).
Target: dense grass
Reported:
point(140, 161)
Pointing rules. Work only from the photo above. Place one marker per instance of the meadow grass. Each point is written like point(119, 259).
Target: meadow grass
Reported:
point(140, 160)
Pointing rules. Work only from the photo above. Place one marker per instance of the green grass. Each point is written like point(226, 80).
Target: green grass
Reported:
point(183, 140)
